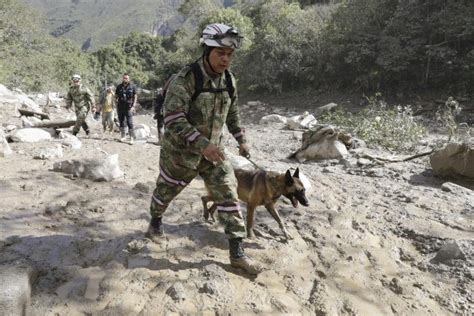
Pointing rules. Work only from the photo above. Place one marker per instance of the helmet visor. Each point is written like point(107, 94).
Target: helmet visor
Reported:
point(231, 41)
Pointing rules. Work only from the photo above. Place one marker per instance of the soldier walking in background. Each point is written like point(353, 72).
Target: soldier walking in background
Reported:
point(107, 110)
point(200, 100)
point(126, 97)
point(83, 100)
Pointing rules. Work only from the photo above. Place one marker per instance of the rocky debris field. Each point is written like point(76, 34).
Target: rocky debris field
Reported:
point(377, 239)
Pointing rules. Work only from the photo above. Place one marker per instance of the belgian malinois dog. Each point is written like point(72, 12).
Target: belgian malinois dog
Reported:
point(260, 187)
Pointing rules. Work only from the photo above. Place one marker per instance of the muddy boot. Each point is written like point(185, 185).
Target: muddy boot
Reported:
point(155, 230)
point(239, 260)
point(122, 134)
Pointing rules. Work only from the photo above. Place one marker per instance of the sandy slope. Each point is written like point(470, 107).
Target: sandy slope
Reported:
point(363, 247)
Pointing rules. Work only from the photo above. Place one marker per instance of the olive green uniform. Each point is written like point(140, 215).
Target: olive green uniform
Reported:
point(83, 100)
point(189, 127)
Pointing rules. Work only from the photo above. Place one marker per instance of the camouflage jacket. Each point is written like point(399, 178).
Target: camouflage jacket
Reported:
point(81, 96)
point(191, 125)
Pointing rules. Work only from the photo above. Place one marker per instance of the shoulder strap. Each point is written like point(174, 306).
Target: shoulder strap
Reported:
point(230, 86)
point(198, 80)
point(199, 83)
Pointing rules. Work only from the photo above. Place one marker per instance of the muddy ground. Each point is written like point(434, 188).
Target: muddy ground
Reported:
point(364, 246)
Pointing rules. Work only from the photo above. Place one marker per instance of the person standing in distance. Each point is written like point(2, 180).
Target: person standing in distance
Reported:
point(83, 100)
point(195, 112)
point(126, 97)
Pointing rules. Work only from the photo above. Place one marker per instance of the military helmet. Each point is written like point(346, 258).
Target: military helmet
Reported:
point(220, 35)
point(76, 77)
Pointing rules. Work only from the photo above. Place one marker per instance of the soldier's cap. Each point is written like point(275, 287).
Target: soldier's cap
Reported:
point(76, 78)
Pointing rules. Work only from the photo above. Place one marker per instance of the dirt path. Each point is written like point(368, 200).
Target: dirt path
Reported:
point(363, 247)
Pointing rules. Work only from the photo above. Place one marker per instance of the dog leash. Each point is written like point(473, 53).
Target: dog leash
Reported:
point(253, 163)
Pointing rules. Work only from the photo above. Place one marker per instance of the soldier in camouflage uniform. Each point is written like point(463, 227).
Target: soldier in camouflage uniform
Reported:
point(192, 146)
point(83, 100)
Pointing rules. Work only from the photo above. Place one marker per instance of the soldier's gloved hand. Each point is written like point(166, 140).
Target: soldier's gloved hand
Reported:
point(244, 150)
point(213, 154)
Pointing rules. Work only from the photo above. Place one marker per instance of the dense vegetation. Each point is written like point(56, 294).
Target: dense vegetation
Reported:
point(369, 45)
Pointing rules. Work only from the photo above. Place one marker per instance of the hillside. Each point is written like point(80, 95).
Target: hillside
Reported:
point(93, 23)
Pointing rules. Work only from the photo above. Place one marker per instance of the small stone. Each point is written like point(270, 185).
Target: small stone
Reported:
point(176, 292)
point(142, 187)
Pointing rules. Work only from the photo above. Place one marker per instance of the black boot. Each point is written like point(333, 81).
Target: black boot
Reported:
point(238, 259)
point(155, 230)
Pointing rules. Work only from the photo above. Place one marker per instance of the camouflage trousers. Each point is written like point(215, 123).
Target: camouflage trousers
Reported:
point(81, 115)
point(221, 185)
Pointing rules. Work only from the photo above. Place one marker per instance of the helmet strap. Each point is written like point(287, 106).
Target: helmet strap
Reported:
point(205, 55)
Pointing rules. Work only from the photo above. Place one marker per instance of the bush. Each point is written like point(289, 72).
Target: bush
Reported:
point(392, 128)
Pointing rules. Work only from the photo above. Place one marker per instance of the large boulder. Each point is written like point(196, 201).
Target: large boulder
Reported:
point(99, 169)
point(320, 142)
point(17, 99)
point(30, 135)
point(454, 160)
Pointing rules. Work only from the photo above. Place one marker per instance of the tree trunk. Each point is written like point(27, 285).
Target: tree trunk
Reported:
point(43, 116)
point(55, 124)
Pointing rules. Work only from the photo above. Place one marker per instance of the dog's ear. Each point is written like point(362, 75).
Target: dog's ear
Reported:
point(288, 178)
point(297, 173)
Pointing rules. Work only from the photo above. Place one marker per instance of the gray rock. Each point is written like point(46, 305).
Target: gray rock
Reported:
point(142, 132)
point(30, 135)
point(325, 108)
point(142, 187)
point(176, 292)
point(273, 118)
point(209, 288)
point(320, 142)
point(453, 160)
point(447, 253)
point(50, 153)
point(99, 169)
point(70, 141)
point(455, 188)
point(304, 121)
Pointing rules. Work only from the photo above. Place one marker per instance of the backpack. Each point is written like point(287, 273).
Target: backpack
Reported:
point(199, 83)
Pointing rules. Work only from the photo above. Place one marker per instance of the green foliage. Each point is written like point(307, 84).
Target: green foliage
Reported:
point(392, 128)
point(446, 115)
point(138, 54)
point(285, 38)
point(289, 45)
point(372, 44)
point(32, 61)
